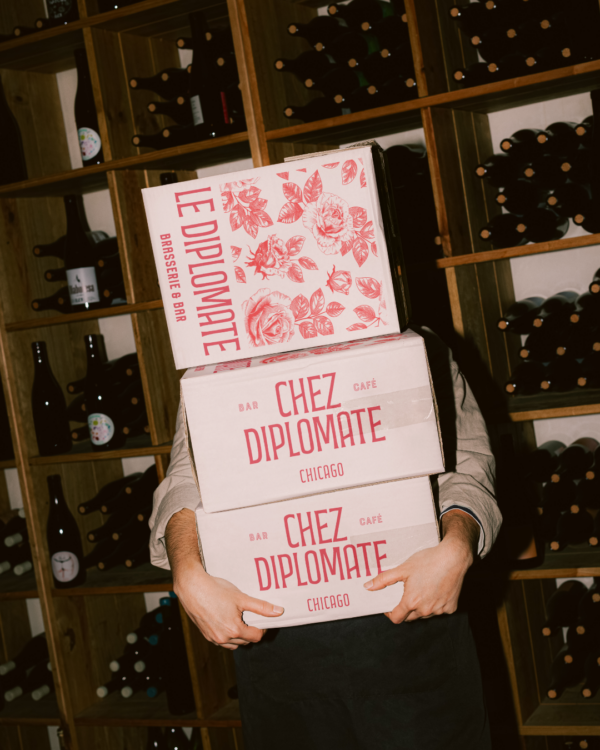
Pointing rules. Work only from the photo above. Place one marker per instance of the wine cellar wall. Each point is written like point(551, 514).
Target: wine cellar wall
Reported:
point(423, 74)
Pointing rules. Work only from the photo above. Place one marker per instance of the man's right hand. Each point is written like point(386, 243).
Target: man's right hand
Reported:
point(214, 605)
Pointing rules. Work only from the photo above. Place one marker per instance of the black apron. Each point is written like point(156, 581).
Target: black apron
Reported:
point(364, 684)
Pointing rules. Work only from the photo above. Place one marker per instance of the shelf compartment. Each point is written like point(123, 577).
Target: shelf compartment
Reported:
point(568, 715)
point(108, 312)
point(25, 710)
point(491, 97)
point(121, 580)
point(576, 561)
point(88, 179)
point(158, 17)
point(139, 710)
point(533, 248)
point(553, 405)
point(17, 587)
point(137, 446)
point(49, 51)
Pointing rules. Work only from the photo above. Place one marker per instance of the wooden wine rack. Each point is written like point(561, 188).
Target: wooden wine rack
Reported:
point(86, 626)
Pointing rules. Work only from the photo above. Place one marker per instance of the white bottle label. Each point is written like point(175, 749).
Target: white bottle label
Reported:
point(83, 285)
point(197, 114)
point(89, 143)
point(65, 566)
point(102, 428)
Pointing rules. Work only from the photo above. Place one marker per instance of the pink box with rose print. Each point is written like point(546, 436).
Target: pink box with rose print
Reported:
point(287, 426)
point(278, 258)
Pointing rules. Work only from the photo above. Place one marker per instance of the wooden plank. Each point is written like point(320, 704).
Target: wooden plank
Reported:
point(456, 52)
point(556, 413)
point(263, 25)
point(437, 182)
point(159, 376)
point(70, 458)
point(533, 248)
point(191, 156)
point(109, 312)
point(426, 45)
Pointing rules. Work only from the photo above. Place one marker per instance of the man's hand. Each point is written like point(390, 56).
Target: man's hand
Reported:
point(433, 577)
point(214, 605)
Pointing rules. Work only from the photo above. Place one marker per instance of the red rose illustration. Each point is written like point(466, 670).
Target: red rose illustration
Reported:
point(339, 281)
point(271, 258)
point(268, 318)
point(330, 222)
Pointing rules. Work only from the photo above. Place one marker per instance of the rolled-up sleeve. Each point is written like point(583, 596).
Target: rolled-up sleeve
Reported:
point(468, 483)
point(177, 491)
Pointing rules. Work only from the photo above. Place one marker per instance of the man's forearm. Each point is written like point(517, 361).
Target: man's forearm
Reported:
point(461, 529)
point(181, 541)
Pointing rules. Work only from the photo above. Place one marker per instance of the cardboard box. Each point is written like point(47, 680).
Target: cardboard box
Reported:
point(313, 555)
point(275, 428)
point(278, 258)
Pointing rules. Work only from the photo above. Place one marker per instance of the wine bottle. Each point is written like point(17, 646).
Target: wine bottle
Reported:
point(592, 674)
point(101, 403)
point(505, 230)
point(100, 552)
point(572, 528)
point(520, 316)
point(137, 426)
point(155, 141)
point(496, 43)
point(79, 260)
point(361, 14)
point(48, 406)
point(526, 379)
point(500, 170)
point(178, 683)
point(109, 490)
point(319, 32)
point(317, 109)
point(34, 651)
point(112, 686)
point(156, 741)
point(168, 84)
point(65, 11)
point(176, 739)
point(587, 218)
point(574, 341)
point(560, 138)
point(540, 346)
point(148, 628)
point(521, 197)
point(114, 527)
point(544, 460)
point(55, 274)
point(561, 607)
point(177, 109)
point(309, 64)
point(17, 559)
point(547, 171)
point(585, 131)
point(123, 368)
point(341, 80)
point(564, 674)
point(16, 525)
point(59, 301)
point(86, 116)
point(544, 225)
point(179, 135)
point(64, 539)
point(39, 682)
point(576, 459)
point(15, 532)
point(12, 155)
point(525, 144)
point(55, 249)
point(472, 18)
point(589, 608)
point(569, 199)
point(576, 167)
point(594, 538)
point(556, 310)
point(135, 494)
point(20, 31)
point(477, 74)
point(132, 654)
point(76, 411)
point(138, 556)
point(588, 491)
point(561, 375)
point(384, 66)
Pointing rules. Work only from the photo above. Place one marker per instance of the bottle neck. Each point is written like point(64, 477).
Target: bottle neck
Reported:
point(75, 225)
point(95, 359)
point(40, 355)
point(57, 498)
point(83, 71)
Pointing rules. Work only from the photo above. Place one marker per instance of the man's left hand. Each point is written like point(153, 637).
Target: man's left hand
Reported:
point(433, 577)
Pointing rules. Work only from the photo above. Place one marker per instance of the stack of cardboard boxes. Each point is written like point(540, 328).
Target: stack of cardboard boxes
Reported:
point(310, 413)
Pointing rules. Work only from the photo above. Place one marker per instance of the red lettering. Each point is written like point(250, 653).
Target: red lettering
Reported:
point(314, 393)
point(312, 445)
point(300, 582)
point(276, 445)
point(284, 575)
point(301, 395)
point(279, 404)
point(287, 530)
point(258, 560)
point(337, 525)
point(250, 455)
point(287, 432)
point(364, 546)
point(314, 554)
point(325, 435)
point(264, 434)
point(337, 562)
point(371, 409)
point(306, 528)
point(360, 429)
point(274, 570)
point(379, 557)
point(349, 435)
point(320, 527)
point(330, 396)
point(356, 566)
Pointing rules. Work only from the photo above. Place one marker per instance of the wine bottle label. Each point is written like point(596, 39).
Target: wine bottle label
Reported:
point(226, 119)
point(65, 566)
point(83, 285)
point(89, 143)
point(59, 8)
point(102, 428)
point(197, 114)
